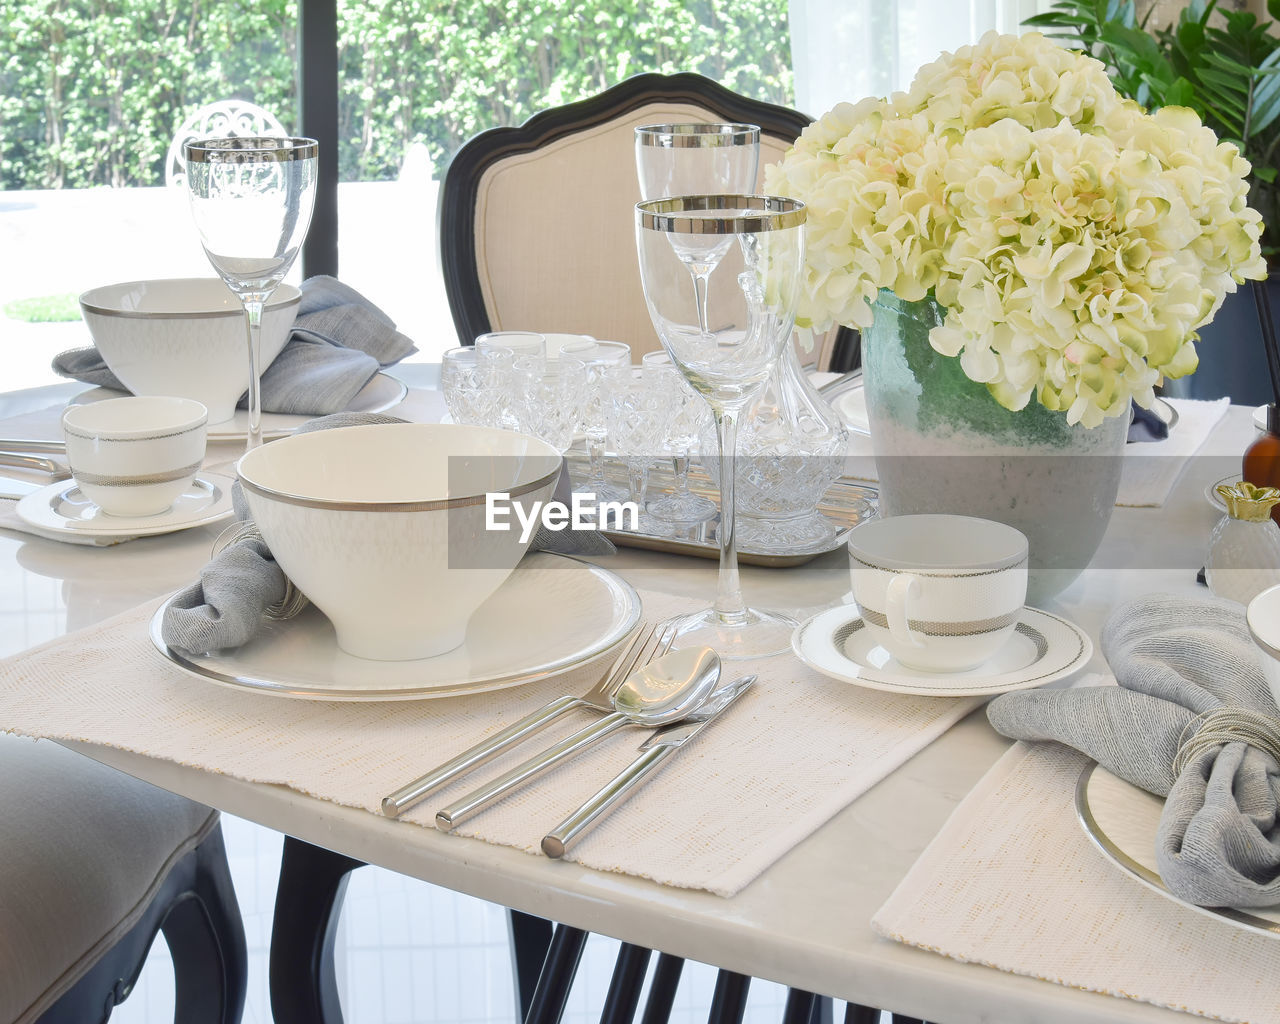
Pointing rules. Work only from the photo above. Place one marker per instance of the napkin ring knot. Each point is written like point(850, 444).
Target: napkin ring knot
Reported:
point(294, 600)
point(1214, 728)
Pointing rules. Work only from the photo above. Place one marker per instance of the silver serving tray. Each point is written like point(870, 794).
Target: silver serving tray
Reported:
point(846, 503)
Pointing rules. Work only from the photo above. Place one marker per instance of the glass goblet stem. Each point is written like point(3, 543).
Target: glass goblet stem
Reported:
point(729, 606)
point(253, 315)
point(595, 458)
point(701, 275)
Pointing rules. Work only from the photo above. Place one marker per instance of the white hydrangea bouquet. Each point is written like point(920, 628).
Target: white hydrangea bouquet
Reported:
point(1074, 241)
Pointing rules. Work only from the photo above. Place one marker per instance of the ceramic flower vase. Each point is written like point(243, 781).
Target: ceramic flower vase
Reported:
point(791, 449)
point(943, 444)
point(1244, 548)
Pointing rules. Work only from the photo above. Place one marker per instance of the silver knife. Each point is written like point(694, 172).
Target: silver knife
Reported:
point(653, 752)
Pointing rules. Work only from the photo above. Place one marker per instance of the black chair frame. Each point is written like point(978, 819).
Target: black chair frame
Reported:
point(459, 191)
point(196, 909)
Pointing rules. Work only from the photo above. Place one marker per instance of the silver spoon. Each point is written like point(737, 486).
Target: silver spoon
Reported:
point(663, 691)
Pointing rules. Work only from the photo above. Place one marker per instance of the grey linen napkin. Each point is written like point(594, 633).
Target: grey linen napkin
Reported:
point(339, 341)
point(225, 607)
point(1175, 658)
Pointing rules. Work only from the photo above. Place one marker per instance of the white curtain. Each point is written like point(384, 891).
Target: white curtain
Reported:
point(850, 49)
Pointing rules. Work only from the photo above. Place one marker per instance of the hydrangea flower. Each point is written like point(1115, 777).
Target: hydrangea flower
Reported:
point(1074, 240)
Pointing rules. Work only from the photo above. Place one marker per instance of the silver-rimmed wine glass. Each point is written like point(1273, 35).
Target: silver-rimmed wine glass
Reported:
point(752, 300)
point(251, 199)
point(697, 158)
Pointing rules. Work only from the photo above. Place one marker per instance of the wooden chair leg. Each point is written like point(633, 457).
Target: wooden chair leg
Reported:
point(530, 938)
point(623, 997)
point(806, 1008)
point(552, 992)
point(205, 936)
point(662, 989)
point(304, 984)
point(729, 1001)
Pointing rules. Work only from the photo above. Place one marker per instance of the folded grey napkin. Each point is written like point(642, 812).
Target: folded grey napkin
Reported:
point(339, 341)
point(1192, 721)
point(242, 583)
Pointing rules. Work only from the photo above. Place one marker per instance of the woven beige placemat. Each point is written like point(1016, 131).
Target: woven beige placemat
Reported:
point(1012, 882)
point(791, 753)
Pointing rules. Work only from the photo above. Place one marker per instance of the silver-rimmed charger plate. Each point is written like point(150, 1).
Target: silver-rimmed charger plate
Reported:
point(552, 614)
point(61, 511)
point(383, 392)
point(1043, 648)
point(1122, 820)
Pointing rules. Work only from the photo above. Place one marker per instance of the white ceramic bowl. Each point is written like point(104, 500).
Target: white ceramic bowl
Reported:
point(135, 456)
point(185, 337)
point(384, 526)
point(1263, 618)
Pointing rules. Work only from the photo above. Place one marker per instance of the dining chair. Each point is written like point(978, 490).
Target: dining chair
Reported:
point(536, 221)
point(93, 864)
point(222, 119)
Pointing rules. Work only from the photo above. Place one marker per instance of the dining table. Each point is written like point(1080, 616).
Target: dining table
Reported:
point(806, 919)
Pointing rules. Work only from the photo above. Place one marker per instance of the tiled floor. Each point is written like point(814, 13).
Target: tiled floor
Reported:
point(410, 953)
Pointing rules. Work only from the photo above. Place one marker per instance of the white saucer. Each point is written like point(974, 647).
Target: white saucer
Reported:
point(1211, 492)
point(1122, 820)
point(1043, 648)
point(380, 394)
point(553, 613)
point(851, 406)
point(61, 509)
point(1260, 418)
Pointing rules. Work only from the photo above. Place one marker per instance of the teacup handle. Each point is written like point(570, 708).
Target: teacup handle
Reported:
point(902, 588)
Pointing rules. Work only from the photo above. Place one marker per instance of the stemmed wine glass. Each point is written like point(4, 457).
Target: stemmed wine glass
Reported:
point(251, 199)
point(698, 159)
point(753, 297)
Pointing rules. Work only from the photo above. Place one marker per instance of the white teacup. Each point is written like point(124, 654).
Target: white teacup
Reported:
point(1263, 618)
point(135, 456)
point(940, 593)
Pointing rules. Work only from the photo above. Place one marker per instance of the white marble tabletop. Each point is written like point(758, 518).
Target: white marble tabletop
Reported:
point(804, 922)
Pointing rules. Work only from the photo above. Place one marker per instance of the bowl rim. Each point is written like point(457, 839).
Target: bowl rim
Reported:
point(194, 417)
point(1253, 610)
point(433, 505)
point(91, 304)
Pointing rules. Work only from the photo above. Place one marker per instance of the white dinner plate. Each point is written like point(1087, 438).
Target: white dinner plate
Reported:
point(383, 392)
point(553, 613)
point(62, 510)
point(851, 406)
point(1043, 648)
point(1260, 418)
point(1122, 819)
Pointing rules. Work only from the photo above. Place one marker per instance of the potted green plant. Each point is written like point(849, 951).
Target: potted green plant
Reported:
point(1227, 69)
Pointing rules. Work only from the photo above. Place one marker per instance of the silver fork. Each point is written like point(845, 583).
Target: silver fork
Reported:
point(644, 646)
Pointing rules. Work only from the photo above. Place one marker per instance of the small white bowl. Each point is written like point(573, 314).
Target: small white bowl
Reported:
point(185, 337)
point(384, 526)
point(135, 456)
point(1263, 619)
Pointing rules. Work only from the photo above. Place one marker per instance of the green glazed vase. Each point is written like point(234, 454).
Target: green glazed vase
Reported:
point(943, 445)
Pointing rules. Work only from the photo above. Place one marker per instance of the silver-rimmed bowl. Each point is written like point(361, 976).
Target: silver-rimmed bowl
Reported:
point(184, 337)
point(398, 532)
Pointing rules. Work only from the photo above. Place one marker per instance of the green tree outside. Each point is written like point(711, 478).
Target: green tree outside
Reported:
point(91, 91)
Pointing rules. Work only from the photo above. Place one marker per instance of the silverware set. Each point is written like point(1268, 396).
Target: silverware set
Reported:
point(648, 685)
point(26, 454)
